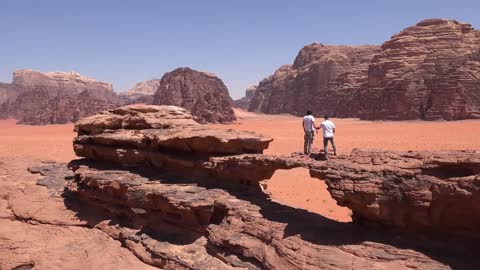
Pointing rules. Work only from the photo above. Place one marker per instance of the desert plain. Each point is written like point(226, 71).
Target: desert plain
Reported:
point(292, 187)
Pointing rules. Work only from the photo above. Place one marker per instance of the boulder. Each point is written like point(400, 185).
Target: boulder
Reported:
point(204, 94)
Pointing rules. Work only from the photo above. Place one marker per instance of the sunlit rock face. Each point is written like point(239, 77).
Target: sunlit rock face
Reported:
point(429, 71)
point(202, 93)
point(38, 98)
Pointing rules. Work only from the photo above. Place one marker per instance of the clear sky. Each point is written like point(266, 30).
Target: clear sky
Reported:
point(241, 41)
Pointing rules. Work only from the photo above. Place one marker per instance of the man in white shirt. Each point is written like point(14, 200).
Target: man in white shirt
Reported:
point(309, 128)
point(328, 133)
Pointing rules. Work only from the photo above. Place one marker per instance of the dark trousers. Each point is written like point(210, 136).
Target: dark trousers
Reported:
point(325, 145)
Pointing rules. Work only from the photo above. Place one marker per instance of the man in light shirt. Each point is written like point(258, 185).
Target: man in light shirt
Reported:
point(328, 133)
point(309, 128)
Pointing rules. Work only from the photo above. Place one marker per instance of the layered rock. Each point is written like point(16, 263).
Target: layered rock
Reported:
point(428, 71)
point(323, 78)
point(204, 94)
point(244, 102)
point(63, 83)
point(142, 92)
point(54, 98)
point(9, 92)
point(37, 107)
point(172, 224)
point(181, 196)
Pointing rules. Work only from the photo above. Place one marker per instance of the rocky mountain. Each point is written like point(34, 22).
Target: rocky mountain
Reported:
point(322, 78)
point(53, 98)
point(63, 83)
point(204, 94)
point(244, 102)
point(428, 71)
point(9, 91)
point(142, 92)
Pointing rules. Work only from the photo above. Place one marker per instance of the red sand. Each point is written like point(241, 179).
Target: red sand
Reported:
point(293, 187)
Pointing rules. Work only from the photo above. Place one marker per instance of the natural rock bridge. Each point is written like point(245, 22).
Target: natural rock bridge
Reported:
point(182, 196)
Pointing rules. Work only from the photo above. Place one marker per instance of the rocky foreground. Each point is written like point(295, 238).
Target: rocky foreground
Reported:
point(428, 71)
point(176, 195)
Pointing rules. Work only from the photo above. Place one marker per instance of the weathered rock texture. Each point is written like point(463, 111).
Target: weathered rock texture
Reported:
point(323, 78)
point(428, 71)
point(38, 231)
point(63, 83)
point(244, 102)
point(54, 98)
point(180, 196)
point(142, 92)
point(204, 94)
point(427, 191)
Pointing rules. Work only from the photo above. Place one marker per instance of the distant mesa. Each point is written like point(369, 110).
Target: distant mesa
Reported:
point(429, 71)
point(202, 93)
point(142, 92)
point(244, 102)
point(38, 98)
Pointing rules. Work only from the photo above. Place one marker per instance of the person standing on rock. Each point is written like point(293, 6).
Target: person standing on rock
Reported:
point(328, 133)
point(309, 128)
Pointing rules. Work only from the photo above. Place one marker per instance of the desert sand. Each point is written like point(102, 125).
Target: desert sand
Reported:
point(294, 187)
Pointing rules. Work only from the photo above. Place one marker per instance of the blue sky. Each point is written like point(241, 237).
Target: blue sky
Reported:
point(125, 42)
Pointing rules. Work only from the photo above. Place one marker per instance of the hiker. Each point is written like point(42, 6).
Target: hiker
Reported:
point(328, 133)
point(309, 128)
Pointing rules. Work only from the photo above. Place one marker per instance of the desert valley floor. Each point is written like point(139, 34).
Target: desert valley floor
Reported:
point(293, 187)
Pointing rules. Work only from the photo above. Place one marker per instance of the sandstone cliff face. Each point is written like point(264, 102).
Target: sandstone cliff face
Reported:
point(9, 92)
point(204, 94)
point(323, 78)
point(53, 98)
point(244, 103)
point(142, 92)
point(63, 83)
point(37, 107)
point(428, 71)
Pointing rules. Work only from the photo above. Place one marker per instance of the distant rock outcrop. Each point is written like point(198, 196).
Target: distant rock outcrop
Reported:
point(53, 98)
point(322, 78)
point(142, 92)
point(204, 94)
point(428, 71)
point(244, 102)
point(64, 83)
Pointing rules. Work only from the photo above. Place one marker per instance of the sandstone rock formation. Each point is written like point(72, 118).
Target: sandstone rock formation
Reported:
point(428, 71)
point(323, 78)
point(63, 83)
point(180, 196)
point(142, 92)
point(53, 98)
point(244, 102)
point(9, 92)
point(202, 93)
